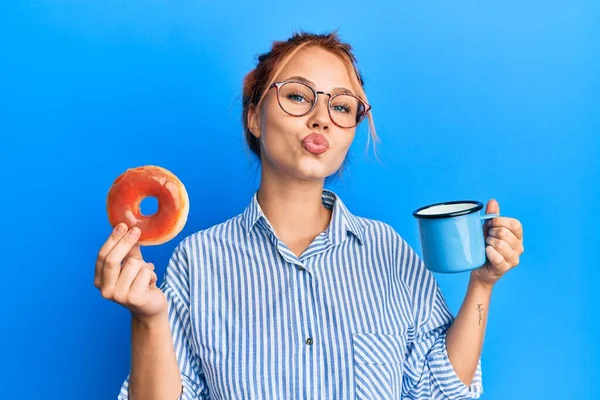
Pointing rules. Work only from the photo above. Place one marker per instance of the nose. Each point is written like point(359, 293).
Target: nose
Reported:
point(319, 116)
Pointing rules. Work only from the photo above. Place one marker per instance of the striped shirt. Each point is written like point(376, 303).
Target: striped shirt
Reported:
point(356, 316)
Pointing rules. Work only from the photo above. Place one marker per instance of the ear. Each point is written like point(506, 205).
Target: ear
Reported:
point(253, 121)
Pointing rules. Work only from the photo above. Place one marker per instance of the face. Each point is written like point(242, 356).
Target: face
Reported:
point(283, 150)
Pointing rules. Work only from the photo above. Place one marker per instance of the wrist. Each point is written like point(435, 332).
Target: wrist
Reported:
point(149, 321)
point(478, 283)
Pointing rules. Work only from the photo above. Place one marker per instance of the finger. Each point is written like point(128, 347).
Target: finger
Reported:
point(503, 248)
point(144, 280)
point(113, 238)
point(507, 235)
point(511, 223)
point(135, 252)
point(128, 273)
point(154, 279)
point(497, 260)
point(112, 262)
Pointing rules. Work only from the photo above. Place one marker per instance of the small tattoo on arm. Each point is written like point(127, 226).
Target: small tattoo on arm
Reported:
point(480, 309)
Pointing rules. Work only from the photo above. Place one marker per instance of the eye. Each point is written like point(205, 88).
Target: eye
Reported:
point(342, 107)
point(297, 97)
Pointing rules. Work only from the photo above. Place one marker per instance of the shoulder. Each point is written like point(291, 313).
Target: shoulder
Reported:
point(374, 229)
point(383, 235)
point(191, 251)
point(204, 239)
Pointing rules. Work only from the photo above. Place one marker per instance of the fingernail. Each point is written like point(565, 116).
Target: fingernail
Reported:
point(134, 231)
point(120, 229)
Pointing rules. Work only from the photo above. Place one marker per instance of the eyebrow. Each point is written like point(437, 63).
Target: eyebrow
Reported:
point(312, 84)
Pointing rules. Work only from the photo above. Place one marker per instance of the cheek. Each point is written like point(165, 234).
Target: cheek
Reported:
point(345, 141)
point(279, 135)
point(275, 122)
point(279, 129)
point(280, 138)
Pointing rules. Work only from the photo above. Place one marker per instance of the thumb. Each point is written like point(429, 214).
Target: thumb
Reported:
point(492, 208)
point(135, 252)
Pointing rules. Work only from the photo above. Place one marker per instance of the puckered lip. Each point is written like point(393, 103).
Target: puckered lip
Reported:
point(317, 138)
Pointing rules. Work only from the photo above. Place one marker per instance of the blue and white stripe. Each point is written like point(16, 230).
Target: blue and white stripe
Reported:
point(356, 316)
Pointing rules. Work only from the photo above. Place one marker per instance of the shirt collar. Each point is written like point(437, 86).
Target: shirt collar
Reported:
point(342, 220)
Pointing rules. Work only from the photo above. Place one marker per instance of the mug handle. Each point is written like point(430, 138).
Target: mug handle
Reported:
point(489, 216)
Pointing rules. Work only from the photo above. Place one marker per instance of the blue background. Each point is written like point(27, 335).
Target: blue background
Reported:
point(472, 100)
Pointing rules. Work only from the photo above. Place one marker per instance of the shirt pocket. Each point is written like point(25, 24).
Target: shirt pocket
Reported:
point(378, 360)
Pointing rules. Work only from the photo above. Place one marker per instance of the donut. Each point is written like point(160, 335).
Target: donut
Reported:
point(134, 185)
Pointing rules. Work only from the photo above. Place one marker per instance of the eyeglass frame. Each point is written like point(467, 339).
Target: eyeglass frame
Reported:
point(277, 85)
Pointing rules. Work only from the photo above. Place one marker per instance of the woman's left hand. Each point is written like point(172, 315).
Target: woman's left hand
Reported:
point(504, 246)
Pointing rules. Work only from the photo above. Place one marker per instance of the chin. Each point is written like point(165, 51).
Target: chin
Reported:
point(303, 167)
point(313, 170)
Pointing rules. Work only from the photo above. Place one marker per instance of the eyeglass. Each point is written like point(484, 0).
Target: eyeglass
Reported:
point(298, 99)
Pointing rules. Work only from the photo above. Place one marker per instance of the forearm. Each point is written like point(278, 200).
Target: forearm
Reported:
point(154, 373)
point(464, 339)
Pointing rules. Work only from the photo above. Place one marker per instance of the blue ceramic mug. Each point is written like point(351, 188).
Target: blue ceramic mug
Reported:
point(452, 236)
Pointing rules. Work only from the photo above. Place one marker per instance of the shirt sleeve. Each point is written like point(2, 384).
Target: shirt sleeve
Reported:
point(428, 373)
point(175, 286)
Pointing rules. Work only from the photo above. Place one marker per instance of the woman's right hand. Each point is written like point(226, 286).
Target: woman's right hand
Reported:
point(124, 277)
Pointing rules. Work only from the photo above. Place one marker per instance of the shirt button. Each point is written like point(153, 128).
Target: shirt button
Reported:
point(309, 341)
point(301, 268)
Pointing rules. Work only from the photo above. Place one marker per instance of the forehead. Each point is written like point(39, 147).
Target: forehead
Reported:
point(327, 70)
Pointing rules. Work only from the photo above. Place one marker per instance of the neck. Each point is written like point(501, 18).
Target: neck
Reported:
point(294, 208)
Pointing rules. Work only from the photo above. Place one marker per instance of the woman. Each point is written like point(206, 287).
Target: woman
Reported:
point(296, 297)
